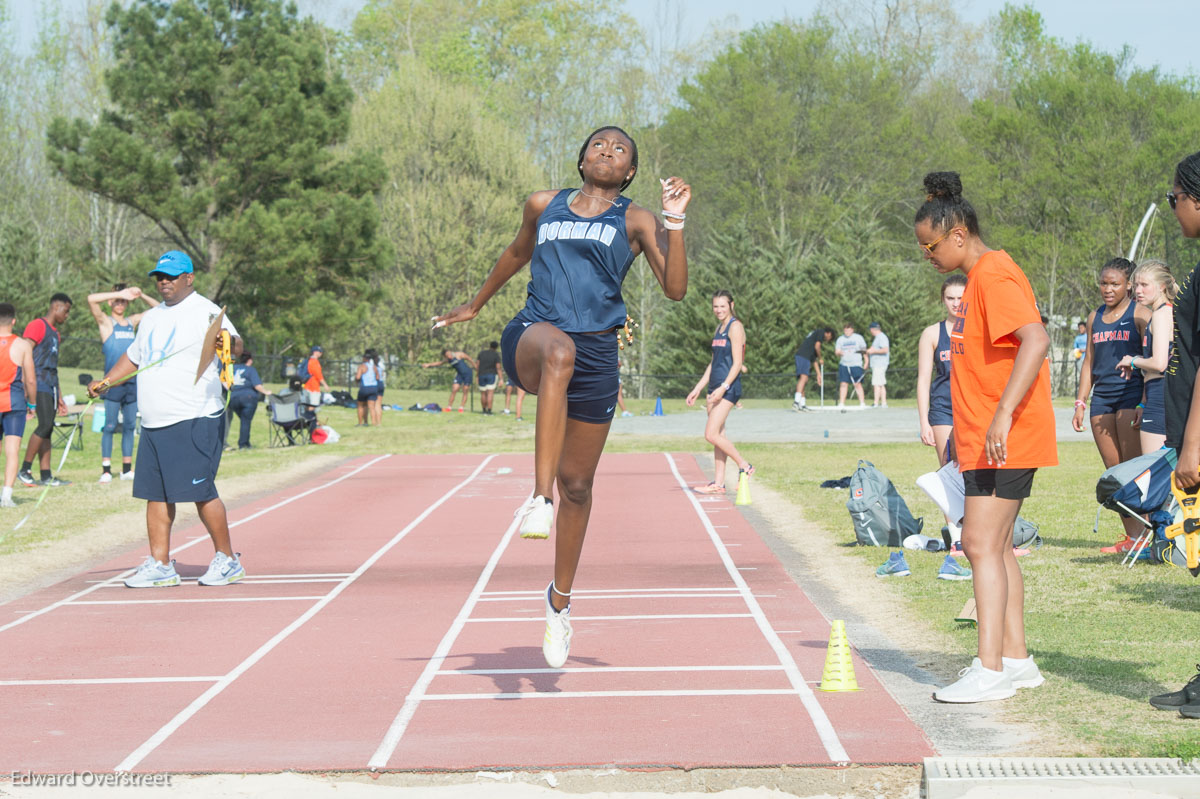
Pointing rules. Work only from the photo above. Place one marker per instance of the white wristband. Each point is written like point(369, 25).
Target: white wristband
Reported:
point(673, 215)
point(669, 225)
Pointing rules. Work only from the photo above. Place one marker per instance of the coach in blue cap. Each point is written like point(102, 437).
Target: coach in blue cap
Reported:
point(181, 442)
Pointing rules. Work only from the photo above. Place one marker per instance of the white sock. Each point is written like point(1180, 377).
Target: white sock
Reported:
point(799, 397)
point(6, 492)
point(1017, 661)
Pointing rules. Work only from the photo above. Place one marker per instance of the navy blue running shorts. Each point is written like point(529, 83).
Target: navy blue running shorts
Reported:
point(178, 463)
point(12, 423)
point(1123, 399)
point(940, 411)
point(850, 374)
point(487, 382)
point(367, 393)
point(803, 366)
point(1154, 417)
point(592, 392)
point(733, 393)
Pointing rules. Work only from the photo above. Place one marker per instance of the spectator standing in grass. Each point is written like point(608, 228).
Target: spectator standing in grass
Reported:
point(879, 355)
point(116, 334)
point(1079, 348)
point(244, 396)
point(1003, 429)
point(367, 376)
point(42, 333)
point(490, 370)
point(18, 387)
point(315, 385)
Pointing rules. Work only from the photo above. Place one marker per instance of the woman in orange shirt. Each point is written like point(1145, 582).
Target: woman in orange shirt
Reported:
point(1003, 428)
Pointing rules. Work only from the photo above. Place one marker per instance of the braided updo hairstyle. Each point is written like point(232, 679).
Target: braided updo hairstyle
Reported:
point(1187, 176)
point(1122, 265)
point(944, 205)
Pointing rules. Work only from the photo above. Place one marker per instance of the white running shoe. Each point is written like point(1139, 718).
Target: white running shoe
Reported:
point(152, 574)
point(105, 477)
point(977, 684)
point(7, 502)
point(557, 643)
point(538, 513)
point(127, 475)
point(223, 570)
point(1024, 673)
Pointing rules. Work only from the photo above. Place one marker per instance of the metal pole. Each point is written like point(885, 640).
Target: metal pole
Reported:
point(1141, 228)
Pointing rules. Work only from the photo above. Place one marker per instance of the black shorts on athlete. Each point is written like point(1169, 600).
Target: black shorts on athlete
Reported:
point(178, 463)
point(999, 483)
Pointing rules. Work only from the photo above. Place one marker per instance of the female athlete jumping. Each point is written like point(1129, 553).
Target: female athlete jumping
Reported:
point(562, 346)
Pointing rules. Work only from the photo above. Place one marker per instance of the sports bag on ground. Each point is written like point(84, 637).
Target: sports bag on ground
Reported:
point(880, 516)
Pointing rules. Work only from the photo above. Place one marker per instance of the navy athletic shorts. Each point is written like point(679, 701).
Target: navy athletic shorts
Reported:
point(12, 423)
point(850, 374)
point(178, 463)
point(733, 393)
point(1123, 399)
point(368, 393)
point(487, 382)
point(1154, 417)
point(940, 411)
point(592, 392)
point(803, 366)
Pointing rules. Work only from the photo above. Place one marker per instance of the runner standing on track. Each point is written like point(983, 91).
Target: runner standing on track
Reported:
point(1114, 330)
point(808, 354)
point(728, 352)
point(463, 376)
point(1003, 429)
point(562, 346)
point(182, 419)
point(1153, 288)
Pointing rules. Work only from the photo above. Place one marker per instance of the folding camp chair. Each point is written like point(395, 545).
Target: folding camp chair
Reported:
point(290, 423)
point(1141, 489)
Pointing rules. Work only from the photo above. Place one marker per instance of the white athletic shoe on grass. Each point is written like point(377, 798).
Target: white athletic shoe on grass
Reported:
point(127, 475)
point(223, 570)
point(1023, 672)
point(977, 684)
point(556, 645)
point(105, 477)
point(152, 574)
point(538, 515)
point(7, 502)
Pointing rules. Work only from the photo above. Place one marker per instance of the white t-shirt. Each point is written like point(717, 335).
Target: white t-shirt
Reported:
point(852, 347)
point(168, 392)
point(880, 360)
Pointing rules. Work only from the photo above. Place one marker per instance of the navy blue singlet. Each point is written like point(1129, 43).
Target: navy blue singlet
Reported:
point(1148, 343)
point(577, 267)
point(940, 411)
point(1110, 343)
point(462, 371)
point(722, 361)
point(115, 345)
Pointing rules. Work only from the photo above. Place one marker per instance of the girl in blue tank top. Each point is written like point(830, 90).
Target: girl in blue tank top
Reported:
point(1154, 288)
point(579, 244)
point(1114, 330)
point(723, 381)
point(935, 417)
point(462, 364)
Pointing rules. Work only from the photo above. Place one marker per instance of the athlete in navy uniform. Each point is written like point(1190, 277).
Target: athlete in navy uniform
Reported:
point(562, 346)
point(933, 361)
point(723, 381)
point(1115, 330)
point(463, 376)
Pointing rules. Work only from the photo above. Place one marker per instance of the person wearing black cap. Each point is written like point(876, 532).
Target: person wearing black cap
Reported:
point(182, 416)
point(877, 355)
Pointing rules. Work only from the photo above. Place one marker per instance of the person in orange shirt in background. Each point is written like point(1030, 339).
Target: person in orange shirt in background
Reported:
point(18, 388)
point(1003, 429)
point(315, 384)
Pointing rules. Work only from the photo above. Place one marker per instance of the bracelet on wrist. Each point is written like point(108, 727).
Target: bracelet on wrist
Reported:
point(673, 215)
point(1080, 404)
point(669, 225)
point(1140, 406)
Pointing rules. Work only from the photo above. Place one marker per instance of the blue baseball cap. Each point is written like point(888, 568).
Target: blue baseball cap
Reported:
point(173, 263)
point(317, 348)
point(875, 326)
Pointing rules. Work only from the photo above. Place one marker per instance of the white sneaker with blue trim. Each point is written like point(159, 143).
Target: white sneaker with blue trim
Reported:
point(223, 570)
point(152, 574)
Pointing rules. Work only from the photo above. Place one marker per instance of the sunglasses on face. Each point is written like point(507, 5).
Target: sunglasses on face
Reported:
point(930, 246)
point(159, 277)
point(1173, 197)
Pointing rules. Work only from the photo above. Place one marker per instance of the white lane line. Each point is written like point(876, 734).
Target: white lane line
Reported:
point(610, 694)
point(257, 578)
point(607, 670)
point(116, 578)
point(108, 681)
point(542, 618)
point(184, 601)
point(600, 591)
point(400, 724)
point(535, 598)
point(829, 738)
point(184, 715)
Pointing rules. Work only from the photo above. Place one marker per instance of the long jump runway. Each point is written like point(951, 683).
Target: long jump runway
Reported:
point(393, 619)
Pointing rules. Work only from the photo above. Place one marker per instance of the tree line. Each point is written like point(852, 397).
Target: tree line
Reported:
point(345, 186)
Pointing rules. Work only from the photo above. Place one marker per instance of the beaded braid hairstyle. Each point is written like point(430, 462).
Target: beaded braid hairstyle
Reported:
point(944, 207)
point(1187, 175)
point(632, 163)
point(1157, 272)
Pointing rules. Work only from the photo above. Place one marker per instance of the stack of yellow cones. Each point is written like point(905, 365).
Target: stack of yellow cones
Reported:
point(839, 669)
point(743, 494)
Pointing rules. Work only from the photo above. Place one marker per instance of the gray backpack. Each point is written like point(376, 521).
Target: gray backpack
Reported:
point(881, 519)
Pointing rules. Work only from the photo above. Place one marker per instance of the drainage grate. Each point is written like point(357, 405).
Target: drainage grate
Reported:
point(952, 777)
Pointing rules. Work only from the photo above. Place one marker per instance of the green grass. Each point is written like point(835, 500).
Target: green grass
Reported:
point(1106, 637)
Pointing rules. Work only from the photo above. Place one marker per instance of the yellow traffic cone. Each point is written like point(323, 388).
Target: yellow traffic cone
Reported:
point(743, 493)
point(839, 669)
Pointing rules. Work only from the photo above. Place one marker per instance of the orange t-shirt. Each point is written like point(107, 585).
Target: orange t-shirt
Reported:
point(315, 375)
point(997, 301)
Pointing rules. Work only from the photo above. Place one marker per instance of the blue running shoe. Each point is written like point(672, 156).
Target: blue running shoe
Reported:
point(953, 570)
point(896, 566)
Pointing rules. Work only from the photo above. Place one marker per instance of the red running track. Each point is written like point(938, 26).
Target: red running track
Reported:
point(392, 620)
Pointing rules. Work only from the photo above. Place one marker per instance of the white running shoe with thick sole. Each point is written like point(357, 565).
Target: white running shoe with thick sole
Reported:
point(127, 475)
point(152, 574)
point(537, 517)
point(1024, 673)
point(223, 570)
point(556, 645)
point(977, 684)
point(105, 477)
